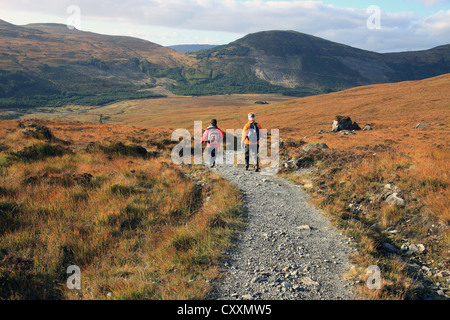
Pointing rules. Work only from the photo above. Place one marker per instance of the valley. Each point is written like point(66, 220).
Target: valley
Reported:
point(165, 112)
point(347, 181)
point(86, 176)
point(48, 65)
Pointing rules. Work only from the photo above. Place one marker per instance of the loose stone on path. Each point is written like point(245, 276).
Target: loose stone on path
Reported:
point(288, 249)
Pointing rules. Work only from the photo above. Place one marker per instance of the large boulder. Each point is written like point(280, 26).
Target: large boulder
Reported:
point(344, 123)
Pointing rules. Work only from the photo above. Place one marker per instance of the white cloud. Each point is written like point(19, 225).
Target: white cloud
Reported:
point(437, 25)
point(398, 31)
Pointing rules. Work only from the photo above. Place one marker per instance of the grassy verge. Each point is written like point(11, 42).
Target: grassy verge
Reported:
point(409, 241)
point(137, 226)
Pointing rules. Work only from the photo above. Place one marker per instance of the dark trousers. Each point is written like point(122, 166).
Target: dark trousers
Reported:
point(254, 150)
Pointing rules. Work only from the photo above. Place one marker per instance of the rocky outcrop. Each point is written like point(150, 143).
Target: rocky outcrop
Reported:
point(341, 123)
point(315, 145)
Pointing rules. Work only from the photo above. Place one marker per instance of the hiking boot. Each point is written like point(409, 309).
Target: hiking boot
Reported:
point(257, 170)
point(212, 165)
point(246, 168)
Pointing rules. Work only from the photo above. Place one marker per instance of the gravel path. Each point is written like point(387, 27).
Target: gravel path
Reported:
point(288, 251)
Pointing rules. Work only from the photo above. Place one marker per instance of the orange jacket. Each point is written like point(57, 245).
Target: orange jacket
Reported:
point(245, 129)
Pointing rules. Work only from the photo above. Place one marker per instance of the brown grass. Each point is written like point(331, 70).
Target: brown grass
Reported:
point(137, 226)
point(353, 170)
point(177, 112)
point(356, 169)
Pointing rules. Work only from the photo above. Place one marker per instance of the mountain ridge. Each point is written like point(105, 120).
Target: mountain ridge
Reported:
point(53, 61)
point(295, 60)
point(44, 65)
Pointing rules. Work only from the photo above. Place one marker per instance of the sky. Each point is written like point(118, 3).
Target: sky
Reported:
point(376, 25)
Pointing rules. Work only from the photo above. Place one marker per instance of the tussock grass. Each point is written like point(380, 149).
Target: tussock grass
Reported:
point(348, 185)
point(349, 180)
point(137, 226)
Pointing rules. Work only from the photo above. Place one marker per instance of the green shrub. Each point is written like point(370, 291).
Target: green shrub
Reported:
point(8, 215)
point(125, 191)
point(133, 150)
point(39, 151)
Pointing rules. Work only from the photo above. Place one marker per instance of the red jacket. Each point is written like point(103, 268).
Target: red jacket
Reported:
point(213, 136)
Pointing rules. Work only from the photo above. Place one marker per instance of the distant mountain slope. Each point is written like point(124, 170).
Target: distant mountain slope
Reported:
point(416, 65)
point(190, 48)
point(53, 43)
point(308, 64)
point(388, 107)
point(50, 65)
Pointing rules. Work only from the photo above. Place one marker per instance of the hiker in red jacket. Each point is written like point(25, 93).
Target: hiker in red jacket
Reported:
point(213, 136)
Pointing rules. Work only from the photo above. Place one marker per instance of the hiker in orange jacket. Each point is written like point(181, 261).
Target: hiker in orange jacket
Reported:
point(250, 140)
point(213, 136)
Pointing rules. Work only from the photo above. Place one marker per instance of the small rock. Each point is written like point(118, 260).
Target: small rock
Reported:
point(415, 249)
point(427, 271)
point(389, 247)
point(304, 227)
point(394, 199)
point(356, 209)
point(420, 248)
point(286, 285)
point(247, 297)
point(367, 127)
point(347, 133)
point(421, 125)
point(309, 282)
point(443, 274)
point(315, 145)
point(412, 267)
point(289, 164)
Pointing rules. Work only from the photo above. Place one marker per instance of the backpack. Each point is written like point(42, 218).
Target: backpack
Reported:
point(214, 137)
point(253, 132)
